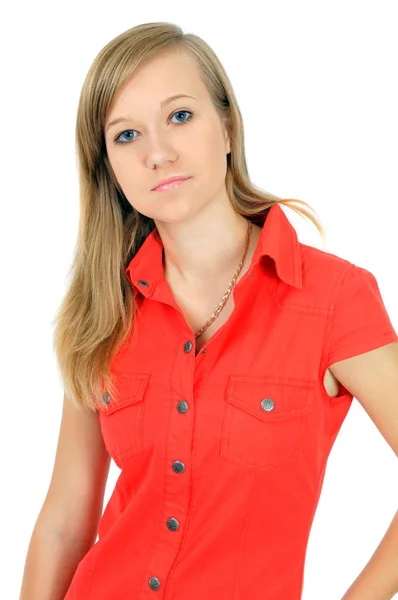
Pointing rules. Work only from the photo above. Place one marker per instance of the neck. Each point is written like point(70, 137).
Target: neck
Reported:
point(198, 250)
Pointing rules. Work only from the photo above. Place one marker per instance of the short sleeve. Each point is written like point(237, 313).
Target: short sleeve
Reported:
point(359, 319)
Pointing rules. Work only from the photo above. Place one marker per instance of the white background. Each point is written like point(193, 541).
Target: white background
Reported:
point(317, 86)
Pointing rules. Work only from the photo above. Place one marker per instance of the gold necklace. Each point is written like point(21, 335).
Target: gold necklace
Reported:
point(231, 285)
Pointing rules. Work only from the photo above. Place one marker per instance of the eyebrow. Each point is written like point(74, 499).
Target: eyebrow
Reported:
point(163, 103)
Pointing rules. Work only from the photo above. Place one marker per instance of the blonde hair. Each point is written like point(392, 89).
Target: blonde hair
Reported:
point(97, 313)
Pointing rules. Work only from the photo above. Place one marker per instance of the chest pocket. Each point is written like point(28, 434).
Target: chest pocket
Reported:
point(263, 421)
point(121, 418)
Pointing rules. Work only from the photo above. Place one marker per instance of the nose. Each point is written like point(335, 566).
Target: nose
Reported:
point(159, 151)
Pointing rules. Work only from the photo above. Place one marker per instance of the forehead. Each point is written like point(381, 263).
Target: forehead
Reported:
point(155, 80)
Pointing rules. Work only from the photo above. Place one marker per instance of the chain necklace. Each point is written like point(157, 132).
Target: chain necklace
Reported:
point(231, 285)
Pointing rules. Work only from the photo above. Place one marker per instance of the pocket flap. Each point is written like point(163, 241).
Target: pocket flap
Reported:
point(130, 390)
point(285, 396)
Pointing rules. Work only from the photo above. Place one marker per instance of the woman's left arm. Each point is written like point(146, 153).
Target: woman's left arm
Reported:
point(379, 578)
point(372, 378)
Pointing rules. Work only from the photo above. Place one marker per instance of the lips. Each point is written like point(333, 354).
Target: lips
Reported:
point(170, 180)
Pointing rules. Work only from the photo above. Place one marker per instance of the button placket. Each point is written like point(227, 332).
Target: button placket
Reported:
point(178, 467)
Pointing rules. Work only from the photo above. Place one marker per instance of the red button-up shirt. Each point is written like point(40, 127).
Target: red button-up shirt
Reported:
point(223, 455)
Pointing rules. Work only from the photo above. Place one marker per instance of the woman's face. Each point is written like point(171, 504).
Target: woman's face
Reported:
point(183, 137)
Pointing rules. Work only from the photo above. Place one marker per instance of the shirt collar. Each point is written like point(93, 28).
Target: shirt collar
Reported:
point(278, 240)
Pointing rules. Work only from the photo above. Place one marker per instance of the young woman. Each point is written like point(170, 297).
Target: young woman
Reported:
point(199, 345)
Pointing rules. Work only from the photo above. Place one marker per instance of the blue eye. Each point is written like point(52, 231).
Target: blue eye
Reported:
point(117, 140)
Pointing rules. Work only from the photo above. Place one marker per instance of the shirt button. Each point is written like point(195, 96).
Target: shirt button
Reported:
point(188, 346)
point(178, 466)
point(182, 406)
point(154, 583)
point(172, 524)
point(267, 404)
point(143, 282)
point(106, 398)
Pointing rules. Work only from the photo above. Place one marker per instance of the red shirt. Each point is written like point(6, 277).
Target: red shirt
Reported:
point(223, 455)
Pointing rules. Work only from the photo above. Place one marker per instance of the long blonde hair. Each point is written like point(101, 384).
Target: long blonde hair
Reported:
point(97, 312)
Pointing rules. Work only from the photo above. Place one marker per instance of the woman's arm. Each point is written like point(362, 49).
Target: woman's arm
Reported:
point(66, 527)
point(379, 578)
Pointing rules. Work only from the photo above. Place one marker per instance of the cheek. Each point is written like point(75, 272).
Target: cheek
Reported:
point(209, 152)
point(215, 157)
point(126, 173)
point(120, 162)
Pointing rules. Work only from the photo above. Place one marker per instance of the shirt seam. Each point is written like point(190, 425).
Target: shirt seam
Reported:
point(326, 350)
